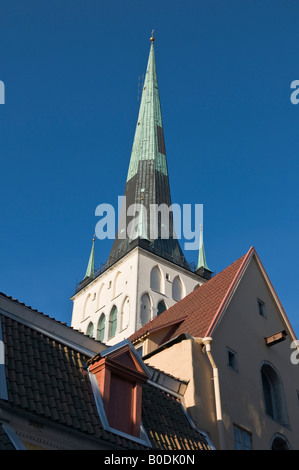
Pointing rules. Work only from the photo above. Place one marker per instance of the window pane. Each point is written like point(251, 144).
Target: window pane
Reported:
point(242, 439)
point(90, 329)
point(246, 441)
point(101, 328)
point(268, 395)
point(237, 439)
point(232, 359)
point(261, 307)
point(112, 322)
point(161, 307)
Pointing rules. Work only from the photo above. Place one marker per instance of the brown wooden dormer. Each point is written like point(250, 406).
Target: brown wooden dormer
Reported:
point(120, 374)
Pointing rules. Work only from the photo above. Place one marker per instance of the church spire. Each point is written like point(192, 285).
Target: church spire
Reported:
point(90, 267)
point(149, 139)
point(148, 173)
point(202, 267)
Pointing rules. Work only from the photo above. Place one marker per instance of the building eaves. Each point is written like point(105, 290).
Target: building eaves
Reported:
point(37, 320)
point(48, 381)
point(168, 344)
point(168, 382)
point(8, 438)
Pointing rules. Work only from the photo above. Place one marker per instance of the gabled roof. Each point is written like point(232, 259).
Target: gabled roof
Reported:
point(199, 312)
point(195, 312)
point(47, 381)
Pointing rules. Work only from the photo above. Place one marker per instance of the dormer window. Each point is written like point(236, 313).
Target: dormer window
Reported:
point(119, 375)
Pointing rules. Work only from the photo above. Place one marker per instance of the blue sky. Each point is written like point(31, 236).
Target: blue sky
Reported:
point(71, 69)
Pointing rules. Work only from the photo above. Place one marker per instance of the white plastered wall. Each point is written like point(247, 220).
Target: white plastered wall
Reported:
point(123, 285)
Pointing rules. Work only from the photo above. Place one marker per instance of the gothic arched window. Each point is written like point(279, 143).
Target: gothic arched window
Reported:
point(156, 279)
point(89, 330)
point(177, 289)
point(117, 284)
point(274, 399)
point(161, 307)
point(101, 327)
point(125, 314)
point(112, 322)
point(145, 309)
point(279, 442)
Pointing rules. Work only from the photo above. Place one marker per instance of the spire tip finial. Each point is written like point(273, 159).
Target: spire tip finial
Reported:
point(152, 37)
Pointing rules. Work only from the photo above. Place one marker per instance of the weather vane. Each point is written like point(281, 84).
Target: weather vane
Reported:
point(152, 36)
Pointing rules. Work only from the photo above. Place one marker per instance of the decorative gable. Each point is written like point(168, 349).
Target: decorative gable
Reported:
point(120, 375)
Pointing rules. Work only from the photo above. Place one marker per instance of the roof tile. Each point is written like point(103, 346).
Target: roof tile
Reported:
point(195, 313)
point(51, 384)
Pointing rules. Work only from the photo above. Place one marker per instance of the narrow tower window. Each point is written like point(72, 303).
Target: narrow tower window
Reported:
point(90, 329)
point(125, 314)
point(177, 289)
point(117, 284)
point(161, 307)
point(156, 279)
point(112, 322)
point(101, 327)
point(145, 309)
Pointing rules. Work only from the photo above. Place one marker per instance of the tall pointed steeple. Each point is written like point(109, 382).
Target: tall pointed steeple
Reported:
point(202, 267)
point(148, 172)
point(146, 262)
point(149, 139)
point(90, 266)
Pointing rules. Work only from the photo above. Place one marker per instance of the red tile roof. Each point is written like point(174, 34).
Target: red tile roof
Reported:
point(199, 311)
point(47, 380)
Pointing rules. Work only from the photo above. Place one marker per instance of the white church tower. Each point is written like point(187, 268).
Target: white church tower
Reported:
point(143, 276)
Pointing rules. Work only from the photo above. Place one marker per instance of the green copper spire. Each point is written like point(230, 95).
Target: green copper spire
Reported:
point(90, 267)
point(149, 140)
point(147, 177)
point(202, 263)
